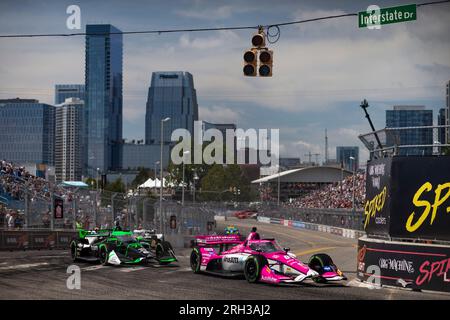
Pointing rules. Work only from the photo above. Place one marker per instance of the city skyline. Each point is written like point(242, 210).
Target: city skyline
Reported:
point(320, 90)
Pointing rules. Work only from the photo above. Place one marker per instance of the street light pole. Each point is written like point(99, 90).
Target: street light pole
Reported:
point(195, 178)
point(182, 184)
point(278, 182)
point(156, 163)
point(161, 175)
point(353, 183)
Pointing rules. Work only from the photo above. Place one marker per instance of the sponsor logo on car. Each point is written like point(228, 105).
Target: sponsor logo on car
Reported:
point(231, 259)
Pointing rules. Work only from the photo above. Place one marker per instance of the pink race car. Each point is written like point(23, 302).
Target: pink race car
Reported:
point(259, 260)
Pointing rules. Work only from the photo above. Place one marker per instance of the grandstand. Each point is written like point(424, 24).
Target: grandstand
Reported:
point(314, 187)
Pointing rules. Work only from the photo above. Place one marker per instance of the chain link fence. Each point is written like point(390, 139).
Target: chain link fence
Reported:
point(408, 141)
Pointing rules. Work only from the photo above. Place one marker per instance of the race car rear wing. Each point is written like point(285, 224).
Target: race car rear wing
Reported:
point(214, 240)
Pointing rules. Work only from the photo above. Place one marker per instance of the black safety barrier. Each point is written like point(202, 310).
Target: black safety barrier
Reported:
point(408, 197)
point(406, 265)
point(35, 240)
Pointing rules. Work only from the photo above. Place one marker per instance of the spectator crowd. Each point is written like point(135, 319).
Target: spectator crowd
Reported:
point(336, 195)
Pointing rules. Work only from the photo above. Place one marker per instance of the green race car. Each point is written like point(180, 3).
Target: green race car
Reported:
point(117, 247)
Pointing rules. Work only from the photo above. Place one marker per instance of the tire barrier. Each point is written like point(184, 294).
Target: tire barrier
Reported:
point(404, 265)
point(347, 233)
point(35, 240)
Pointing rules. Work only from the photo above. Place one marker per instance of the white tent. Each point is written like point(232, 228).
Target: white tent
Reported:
point(150, 183)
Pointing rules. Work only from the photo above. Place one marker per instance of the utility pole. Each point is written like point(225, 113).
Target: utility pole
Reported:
point(161, 224)
point(326, 147)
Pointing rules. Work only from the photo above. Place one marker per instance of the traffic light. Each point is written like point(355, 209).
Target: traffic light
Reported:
point(258, 40)
point(265, 63)
point(258, 60)
point(250, 62)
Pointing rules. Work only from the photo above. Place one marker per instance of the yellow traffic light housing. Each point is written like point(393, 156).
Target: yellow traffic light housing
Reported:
point(259, 40)
point(258, 60)
point(250, 63)
point(265, 63)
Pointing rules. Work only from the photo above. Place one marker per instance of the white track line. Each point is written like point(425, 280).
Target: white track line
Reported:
point(132, 269)
point(93, 268)
point(24, 266)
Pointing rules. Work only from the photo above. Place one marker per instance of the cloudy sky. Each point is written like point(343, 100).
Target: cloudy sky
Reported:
point(322, 70)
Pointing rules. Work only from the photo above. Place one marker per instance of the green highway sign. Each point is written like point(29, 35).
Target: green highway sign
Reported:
point(387, 15)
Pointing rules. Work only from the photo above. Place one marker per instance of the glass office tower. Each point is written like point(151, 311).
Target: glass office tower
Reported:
point(410, 116)
point(27, 134)
point(343, 155)
point(103, 76)
point(171, 94)
point(65, 91)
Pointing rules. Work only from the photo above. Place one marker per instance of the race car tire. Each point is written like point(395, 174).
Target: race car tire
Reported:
point(253, 267)
point(73, 251)
point(196, 260)
point(163, 248)
point(103, 255)
point(320, 260)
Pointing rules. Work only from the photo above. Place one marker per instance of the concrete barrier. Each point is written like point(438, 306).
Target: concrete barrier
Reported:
point(343, 232)
point(264, 219)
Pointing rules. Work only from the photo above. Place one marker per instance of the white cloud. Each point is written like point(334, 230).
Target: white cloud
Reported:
point(219, 114)
point(218, 13)
point(219, 39)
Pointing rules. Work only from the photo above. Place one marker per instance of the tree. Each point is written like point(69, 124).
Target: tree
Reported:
point(116, 186)
point(226, 183)
point(142, 176)
point(91, 182)
point(214, 185)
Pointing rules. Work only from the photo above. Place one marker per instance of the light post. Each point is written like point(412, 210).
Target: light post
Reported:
point(353, 184)
point(96, 180)
point(161, 175)
point(182, 184)
point(156, 163)
point(195, 178)
point(278, 182)
point(96, 196)
point(112, 209)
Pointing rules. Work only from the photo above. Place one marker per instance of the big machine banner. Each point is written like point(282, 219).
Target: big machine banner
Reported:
point(405, 265)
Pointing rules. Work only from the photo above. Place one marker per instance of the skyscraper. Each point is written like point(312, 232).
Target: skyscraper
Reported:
point(410, 116)
point(64, 91)
point(103, 77)
point(27, 132)
point(69, 140)
point(343, 155)
point(171, 94)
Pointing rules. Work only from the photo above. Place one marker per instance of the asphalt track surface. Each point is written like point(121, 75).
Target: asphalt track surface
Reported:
point(42, 275)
